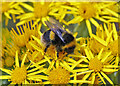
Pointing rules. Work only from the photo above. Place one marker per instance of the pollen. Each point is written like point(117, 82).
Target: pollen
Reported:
point(87, 10)
point(62, 55)
point(19, 75)
point(59, 76)
point(95, 65)
point(51, 51)
point(41, 10)
point(9, 61)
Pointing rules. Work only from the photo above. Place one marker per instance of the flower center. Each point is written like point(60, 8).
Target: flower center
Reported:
point(19, 75)
point(41, 10)
point(87, 10)
point(95, 64)
point(59, 76)
point(5, 6)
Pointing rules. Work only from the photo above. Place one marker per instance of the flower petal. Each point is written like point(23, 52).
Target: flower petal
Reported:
point(23, 60)
point(6, 70)
point(108, 79)
point(99, 40)
point(99, 55)
point(109, 70)
point(112, 12)
point(106, 56)
point(27, 6)
point(94, 22)
point(93, 78)
point(89, 27)
point(75, 64)
point(7, 15)
point(37, 72)
point(5, 77)
point(16, 59)
point(79, 81)
point(114, 32)
point(101, 78)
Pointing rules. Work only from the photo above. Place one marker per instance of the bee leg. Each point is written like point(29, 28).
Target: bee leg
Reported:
point(46, 48)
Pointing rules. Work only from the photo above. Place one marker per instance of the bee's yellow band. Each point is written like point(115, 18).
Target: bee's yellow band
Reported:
point(52, 35)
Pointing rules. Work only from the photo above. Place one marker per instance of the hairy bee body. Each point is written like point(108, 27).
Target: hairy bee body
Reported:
point(60, 38)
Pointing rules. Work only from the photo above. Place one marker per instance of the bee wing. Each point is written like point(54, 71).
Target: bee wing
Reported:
point(59, 35)
point(55, 29)
point(55, 22)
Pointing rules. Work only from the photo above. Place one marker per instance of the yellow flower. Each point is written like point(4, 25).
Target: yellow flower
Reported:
point(60, 74)
point(11, 8)
point(20, 40)
point(23, 37)
point(55, 65)
point(20, 74)
point(38, 12)
point(96, 65)
point(89, 11)
point(108, 38)
point(41, 10)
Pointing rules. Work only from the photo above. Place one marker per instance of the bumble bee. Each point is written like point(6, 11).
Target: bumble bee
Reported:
point(58, 37)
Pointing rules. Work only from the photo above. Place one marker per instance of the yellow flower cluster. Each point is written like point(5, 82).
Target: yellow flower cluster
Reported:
point(95, 56)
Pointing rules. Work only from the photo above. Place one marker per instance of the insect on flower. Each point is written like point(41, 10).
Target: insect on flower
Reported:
point(57, 36)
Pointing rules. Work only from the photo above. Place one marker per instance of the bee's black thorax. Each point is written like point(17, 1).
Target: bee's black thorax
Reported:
point(68, 38)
